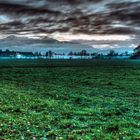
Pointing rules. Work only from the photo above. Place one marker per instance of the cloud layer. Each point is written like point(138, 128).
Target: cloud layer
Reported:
point(70, 16)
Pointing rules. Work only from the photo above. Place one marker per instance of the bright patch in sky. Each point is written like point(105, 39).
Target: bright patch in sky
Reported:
point(72, 37)
point(4, 19)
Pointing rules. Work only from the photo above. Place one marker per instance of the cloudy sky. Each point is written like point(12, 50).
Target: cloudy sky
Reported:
point(99, 23)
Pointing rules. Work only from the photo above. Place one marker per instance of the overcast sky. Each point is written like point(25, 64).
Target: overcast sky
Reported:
point(67, 20)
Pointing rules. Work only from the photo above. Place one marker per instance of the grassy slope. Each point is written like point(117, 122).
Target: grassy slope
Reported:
point(98, 100)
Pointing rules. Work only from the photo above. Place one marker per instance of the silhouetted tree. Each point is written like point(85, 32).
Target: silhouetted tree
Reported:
point(49, 54)
point(83, 53)
point(37, 54)
point(70, 53)
point(112, 53)
point(93, 54)
point(126, 53)
point(75, 54)
point(7, 51)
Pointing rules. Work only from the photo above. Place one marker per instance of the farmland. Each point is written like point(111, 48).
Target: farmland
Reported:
point(69, 99)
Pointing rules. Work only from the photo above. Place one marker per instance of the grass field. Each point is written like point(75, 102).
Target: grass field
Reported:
point(70, 100)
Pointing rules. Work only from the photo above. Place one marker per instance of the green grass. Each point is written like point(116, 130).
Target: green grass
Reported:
point(70, 100)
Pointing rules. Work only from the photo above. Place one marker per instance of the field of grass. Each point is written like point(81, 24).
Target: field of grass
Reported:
point(69, 100)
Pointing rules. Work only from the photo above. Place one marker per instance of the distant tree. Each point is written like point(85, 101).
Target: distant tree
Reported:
point(112, 53)
point(126, 53)
point(87, 54)
point(75, 54)
point(40, 54)
point(78, 53)
point(93, 54)
point(70, 53)
point(7, 51)
point(101, 56)
point(98, 56)
point(37, 54)
point(49, 54)
point(83, 53)
point(121, 54)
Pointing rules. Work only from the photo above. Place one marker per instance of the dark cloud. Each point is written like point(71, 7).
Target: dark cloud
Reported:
point(125, 12)
point(75, 16)
point(75, 2)
point(24, 9)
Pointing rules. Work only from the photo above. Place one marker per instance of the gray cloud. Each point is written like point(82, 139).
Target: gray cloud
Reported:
point(75, 16)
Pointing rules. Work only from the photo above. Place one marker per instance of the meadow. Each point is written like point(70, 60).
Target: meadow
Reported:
point(69, 100)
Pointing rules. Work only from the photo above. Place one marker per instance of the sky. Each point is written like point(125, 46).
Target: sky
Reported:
point(96, 23)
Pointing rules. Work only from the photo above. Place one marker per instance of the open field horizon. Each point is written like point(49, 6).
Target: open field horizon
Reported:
point(69, 69)
point(70, 99)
